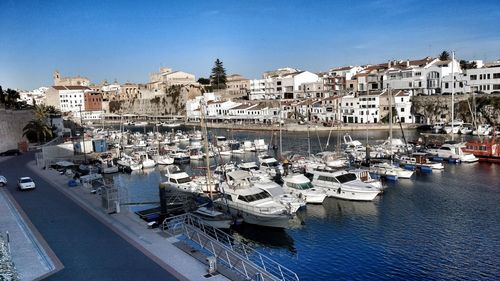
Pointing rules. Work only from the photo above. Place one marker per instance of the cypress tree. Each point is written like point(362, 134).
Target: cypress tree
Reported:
point(218, 77)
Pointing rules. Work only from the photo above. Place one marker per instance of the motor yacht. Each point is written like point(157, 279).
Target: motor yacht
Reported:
point(454, 151)
point(213, 218)
point(389, 171)
point(254, 205)
point(344, 185)
point(300, 186)
point(181, 181)
point(270, 165)
point(164, 160)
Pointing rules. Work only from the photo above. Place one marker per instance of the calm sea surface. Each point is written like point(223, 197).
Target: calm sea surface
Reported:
point(443, 225)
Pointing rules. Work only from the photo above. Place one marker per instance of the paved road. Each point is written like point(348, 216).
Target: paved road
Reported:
point(88, 249)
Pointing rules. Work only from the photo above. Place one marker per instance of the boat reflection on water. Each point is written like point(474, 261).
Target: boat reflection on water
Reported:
point(338, 207)
point(258, 236)
point(313, 211)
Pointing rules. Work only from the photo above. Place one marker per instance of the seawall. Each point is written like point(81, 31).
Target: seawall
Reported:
point(12, 123)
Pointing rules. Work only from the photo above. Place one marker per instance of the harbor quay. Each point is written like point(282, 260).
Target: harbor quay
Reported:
point(286, 126)
point(53, 258)
point(129, 226)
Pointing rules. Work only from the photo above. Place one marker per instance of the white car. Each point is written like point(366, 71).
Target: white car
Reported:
point(25, 183)
point(3, 181)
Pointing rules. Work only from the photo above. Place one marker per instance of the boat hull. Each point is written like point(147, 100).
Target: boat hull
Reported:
point(269, 220)
point(352, 195)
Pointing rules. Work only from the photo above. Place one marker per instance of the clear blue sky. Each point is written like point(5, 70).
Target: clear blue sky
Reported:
point(128, 40)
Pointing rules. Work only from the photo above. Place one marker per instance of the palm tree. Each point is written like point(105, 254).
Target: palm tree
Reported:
point(39, 128)
point(41, 112)
point(444, 56)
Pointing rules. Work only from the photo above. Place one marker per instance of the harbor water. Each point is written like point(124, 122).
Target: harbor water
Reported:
point(439, 226)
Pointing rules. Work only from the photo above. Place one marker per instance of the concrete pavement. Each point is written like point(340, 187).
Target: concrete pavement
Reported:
point(91, 243)
point(31, 255)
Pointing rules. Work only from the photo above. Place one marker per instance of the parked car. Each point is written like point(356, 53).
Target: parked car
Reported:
point(11, 152)
point(25, 183)
point(3, 181)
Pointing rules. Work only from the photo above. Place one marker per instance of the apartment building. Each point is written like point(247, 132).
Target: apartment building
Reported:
point(426, 76)
point(67, 98)
point(484, 79)
point(237, 85)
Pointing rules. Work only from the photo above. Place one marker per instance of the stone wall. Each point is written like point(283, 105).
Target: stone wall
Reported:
point(171, 102)
point(438, 108)
point(12, 123)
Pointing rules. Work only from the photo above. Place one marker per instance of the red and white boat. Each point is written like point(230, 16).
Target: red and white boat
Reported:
point(487, 150)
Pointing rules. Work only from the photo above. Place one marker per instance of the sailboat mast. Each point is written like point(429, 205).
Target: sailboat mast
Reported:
point(281, 140)
point(390, 121)
point(452, 93)
point(205, 144)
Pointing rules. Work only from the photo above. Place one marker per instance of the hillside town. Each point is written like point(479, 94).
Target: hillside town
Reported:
point(347, 94)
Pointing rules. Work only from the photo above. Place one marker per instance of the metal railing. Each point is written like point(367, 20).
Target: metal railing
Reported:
point(229, 252)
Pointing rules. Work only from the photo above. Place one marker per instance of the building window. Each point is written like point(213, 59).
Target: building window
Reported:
point(402, 109)
point(473, 77)
point(496, 87)
point(446, 85)
point(496, 75)
point(488, 76)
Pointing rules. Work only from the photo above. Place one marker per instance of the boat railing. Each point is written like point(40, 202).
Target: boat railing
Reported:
point(228, 251)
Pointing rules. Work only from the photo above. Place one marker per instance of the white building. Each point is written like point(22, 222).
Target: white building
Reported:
point(67, 98)
point(372, 108)
point(37, 95)
point(283, 83)
point(424, 77)
point(289, 85)
point(485, 79)
point(257, 89)
point(220, 108)
point(402, 104)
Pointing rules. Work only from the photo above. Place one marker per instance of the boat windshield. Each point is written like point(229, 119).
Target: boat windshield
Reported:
point(301, 186)
point(254, 197)
point(251, 168)
point(346, 177)
point(181, 180)
point(270, 164)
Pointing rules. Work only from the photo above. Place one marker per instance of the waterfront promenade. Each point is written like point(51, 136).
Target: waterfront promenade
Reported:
point(90, 243)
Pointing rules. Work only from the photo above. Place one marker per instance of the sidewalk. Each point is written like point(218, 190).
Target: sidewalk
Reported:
point(30, 253)
point(130, 227)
